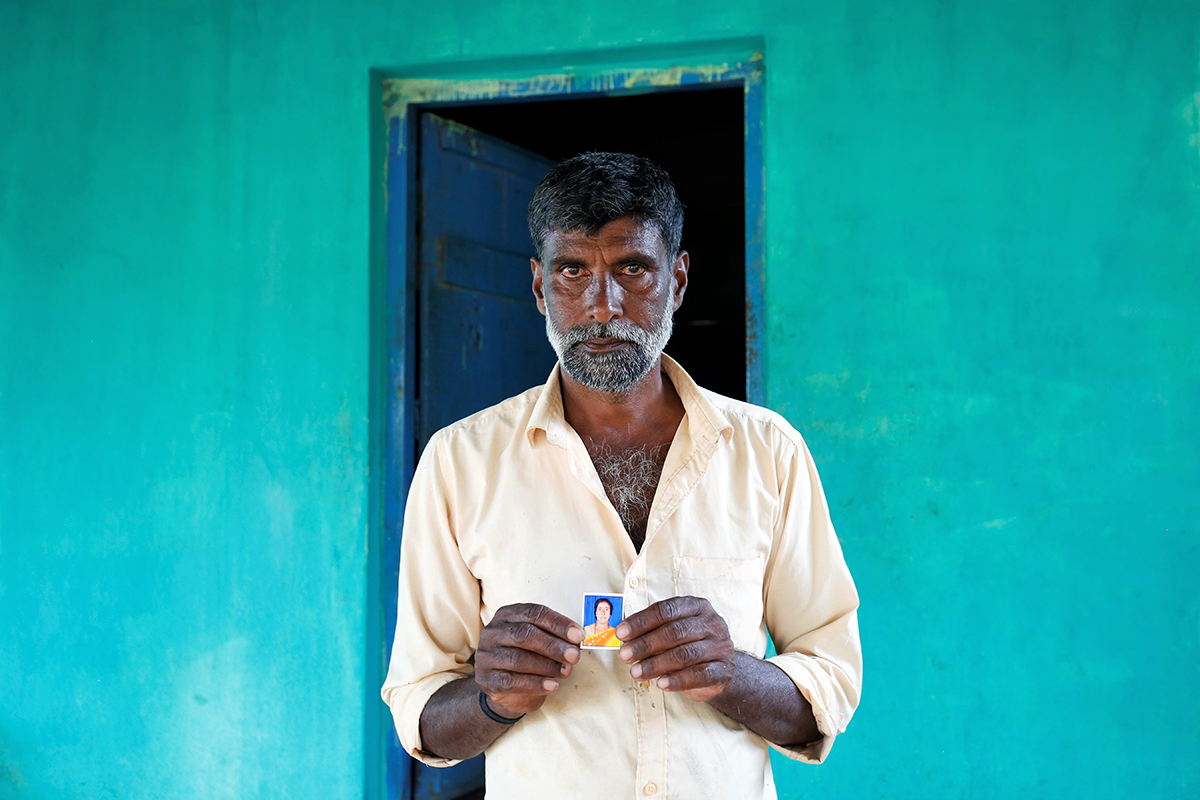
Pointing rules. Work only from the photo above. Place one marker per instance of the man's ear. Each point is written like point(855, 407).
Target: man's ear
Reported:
point(536, 267)
point(679, 272)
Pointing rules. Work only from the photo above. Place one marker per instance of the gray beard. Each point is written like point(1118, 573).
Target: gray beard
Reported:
point(616, 372)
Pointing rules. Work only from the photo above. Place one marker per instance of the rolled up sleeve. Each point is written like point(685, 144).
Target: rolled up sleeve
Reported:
point(811, 605)
point(438, 604)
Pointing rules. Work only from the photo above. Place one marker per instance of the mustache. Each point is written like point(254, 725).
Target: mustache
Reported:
point(619, 328)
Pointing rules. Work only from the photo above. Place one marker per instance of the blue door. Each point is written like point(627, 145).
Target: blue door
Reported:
point(480, 336)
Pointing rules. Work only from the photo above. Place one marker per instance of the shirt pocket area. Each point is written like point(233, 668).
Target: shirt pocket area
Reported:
point(734, 588)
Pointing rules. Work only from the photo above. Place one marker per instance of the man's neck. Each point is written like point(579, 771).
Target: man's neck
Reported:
point(645, 416)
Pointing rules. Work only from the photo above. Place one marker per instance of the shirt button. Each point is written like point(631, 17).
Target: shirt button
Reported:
point(649, 789)
point(633, 582)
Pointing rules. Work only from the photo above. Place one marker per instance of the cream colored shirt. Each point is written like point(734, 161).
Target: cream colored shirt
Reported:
point(506, 507)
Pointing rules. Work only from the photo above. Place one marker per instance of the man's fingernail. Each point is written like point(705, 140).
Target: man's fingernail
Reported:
point(565, 670)
point(626, 653)
point(636, 671)
point(622, 631)
point(571, 655)
point(575, 635)
point(664, 683)
point(549, 684)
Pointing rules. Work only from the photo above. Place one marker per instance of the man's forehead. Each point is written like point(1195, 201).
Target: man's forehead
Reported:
point(624, 233)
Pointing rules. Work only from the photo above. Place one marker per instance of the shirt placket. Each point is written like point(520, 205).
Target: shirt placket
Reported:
point(649, 700)
point(649, 709)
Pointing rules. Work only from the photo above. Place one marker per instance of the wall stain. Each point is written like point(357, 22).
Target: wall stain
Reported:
point(10, 773)
point(1191, 114)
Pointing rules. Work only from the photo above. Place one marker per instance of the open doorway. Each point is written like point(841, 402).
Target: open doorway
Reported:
point(697, 136)
point(702, 124)
point(479, 335)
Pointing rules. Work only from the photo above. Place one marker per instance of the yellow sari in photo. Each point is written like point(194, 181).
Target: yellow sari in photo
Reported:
point(605, 638)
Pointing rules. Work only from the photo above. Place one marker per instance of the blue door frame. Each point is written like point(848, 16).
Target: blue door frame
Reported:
point(398, 96)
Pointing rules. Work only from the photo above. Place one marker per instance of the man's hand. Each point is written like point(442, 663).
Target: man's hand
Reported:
point(683, 643)
point(522, 653)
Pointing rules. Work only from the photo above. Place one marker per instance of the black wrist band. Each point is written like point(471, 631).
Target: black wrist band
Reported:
point(492, 715)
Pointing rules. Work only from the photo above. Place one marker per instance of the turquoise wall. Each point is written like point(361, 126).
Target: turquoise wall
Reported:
point(983, 232)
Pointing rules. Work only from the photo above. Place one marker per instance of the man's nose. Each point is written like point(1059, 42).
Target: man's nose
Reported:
point(605, 298)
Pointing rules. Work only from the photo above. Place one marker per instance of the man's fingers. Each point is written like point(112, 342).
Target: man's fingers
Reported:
point(680, 658)
point(512, 659)
point(671, 634)
point(542, 617)
point(502, 682)
point(682, 644)
point(697, 676)
point(659, 614)
point(527, 636)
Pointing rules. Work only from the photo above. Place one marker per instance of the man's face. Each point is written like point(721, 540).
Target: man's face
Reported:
point(609, 301)
point(603, 613)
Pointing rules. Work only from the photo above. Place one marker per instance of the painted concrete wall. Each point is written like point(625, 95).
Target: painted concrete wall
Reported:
point(983, 233)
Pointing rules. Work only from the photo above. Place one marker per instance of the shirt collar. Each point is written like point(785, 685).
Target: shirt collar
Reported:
point(707, 419)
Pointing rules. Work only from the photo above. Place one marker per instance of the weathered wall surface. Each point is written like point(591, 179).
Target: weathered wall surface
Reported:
point(983, 232)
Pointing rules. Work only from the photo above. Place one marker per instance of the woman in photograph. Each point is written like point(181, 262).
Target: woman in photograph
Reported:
point(600, 633)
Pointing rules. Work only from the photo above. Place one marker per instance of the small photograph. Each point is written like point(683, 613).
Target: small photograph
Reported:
point(602, 613)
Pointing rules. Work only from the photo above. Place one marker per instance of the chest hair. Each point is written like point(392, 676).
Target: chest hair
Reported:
point(630, 478)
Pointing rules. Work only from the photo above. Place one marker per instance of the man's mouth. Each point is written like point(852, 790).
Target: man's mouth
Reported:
point(603, 345)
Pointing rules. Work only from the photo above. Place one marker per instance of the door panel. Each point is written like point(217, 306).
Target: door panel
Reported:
point(480, 336)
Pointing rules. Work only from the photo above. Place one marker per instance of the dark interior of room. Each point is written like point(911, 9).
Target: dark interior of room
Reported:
point(697, 136)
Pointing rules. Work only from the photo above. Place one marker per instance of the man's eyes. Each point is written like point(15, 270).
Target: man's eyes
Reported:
point(574, 270)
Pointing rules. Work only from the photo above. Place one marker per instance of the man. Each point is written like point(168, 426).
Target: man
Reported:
point(620, 475)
